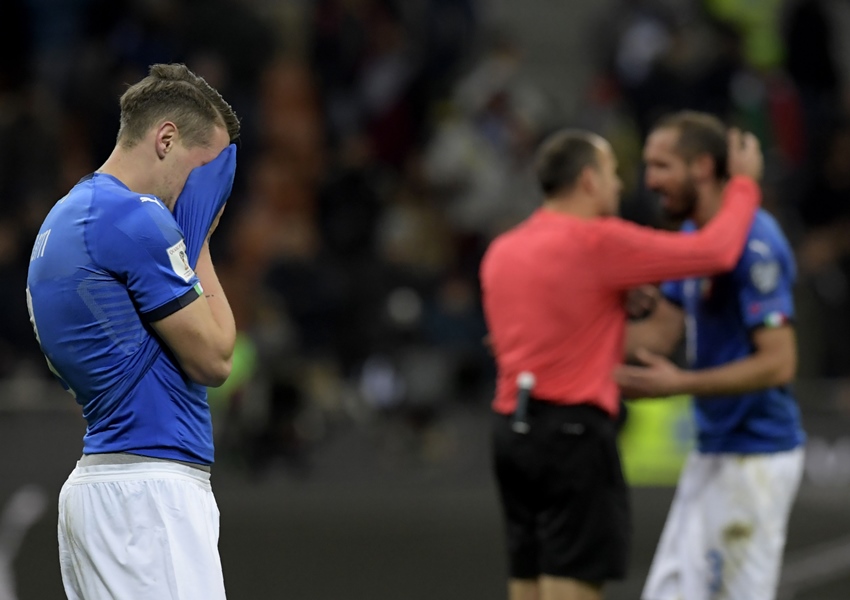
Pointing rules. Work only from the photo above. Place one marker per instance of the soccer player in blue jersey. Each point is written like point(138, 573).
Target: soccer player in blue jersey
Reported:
point(726, 528)
point(132, 319)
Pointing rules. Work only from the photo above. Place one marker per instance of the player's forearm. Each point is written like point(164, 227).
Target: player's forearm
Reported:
point(756, 372)
point(659, 333)
point(224, 338)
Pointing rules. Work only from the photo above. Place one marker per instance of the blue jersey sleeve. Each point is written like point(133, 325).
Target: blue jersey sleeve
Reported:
point(672, 290)
point(765, 276)
point(205, 192)
point(145, 250)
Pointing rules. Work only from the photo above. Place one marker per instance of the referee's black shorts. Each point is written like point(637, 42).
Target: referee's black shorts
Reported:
point(563, 494)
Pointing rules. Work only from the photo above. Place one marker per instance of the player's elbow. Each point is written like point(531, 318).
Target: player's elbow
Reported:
point(782, 371)
point(211, 373)
point(220, 374)
point(785, 372)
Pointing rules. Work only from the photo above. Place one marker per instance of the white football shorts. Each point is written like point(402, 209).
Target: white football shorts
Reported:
point(725, 532)
point(139, 531)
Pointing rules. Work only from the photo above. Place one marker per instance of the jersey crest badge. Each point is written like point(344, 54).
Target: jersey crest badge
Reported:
point(765, 275)
point(180, 261)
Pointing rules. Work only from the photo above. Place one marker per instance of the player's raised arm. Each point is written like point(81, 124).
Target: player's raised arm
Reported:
point(202, 335)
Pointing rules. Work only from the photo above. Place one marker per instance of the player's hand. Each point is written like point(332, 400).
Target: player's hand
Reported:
point(745, 155)
point(656, 379)
point(641, 301)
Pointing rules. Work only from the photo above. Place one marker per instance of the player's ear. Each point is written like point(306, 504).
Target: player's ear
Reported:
point(702, 166)
point(588, 180)
point(166, 137)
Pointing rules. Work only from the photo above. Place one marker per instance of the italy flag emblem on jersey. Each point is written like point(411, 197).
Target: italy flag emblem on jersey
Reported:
point(775, 319)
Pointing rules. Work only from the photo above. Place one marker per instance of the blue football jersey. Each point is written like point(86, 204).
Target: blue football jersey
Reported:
point(721, 312)
point(204, 194)
point(106, 263)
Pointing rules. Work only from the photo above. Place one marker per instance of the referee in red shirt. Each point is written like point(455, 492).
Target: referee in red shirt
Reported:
point(553, 293)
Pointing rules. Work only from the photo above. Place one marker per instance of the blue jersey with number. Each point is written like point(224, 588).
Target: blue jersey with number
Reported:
point(721, 313)
point(107, 262)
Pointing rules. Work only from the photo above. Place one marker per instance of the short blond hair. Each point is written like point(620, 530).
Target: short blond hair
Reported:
point(173, 92)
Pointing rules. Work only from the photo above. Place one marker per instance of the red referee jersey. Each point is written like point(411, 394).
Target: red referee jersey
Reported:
point(553, 292)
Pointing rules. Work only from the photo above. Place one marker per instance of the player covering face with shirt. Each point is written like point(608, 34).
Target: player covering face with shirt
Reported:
point(725, 532)
point(133, 321)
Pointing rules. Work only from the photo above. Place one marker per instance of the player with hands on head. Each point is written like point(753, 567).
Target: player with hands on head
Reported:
point(128, 310)
point(725, 531)
point(554, 295)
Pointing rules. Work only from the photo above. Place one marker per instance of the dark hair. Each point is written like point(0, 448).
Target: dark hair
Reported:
point(562, 157)
point(175, 93)
point(699, 133)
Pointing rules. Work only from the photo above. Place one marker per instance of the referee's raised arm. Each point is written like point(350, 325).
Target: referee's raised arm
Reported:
point(630, 255)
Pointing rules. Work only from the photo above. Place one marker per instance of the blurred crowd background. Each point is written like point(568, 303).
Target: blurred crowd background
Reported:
point(384, 144)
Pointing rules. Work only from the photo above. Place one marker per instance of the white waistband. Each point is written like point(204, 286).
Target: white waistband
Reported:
point(138, 472)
